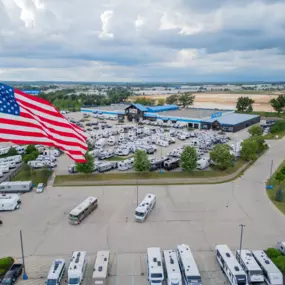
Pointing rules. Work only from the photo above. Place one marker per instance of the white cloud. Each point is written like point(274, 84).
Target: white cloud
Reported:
point(106, 18)
point(139, 22)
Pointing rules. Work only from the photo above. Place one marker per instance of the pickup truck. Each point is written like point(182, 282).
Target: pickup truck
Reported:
point(11, 276)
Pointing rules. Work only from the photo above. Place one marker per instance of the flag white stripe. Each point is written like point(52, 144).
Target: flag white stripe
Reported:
point(35, 103)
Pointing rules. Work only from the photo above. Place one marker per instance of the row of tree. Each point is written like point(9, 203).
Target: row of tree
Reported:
point(68, 99)
point(185, 99)
point(244, 104)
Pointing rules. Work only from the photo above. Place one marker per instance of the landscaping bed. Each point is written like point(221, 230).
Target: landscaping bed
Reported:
point(5, 265)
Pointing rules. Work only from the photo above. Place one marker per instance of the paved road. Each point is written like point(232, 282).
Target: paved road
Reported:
point(199, 215)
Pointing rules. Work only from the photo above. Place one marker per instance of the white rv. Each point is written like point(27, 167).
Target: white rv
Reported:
point(4, 150)
point(76, 268)
point(230, 266)
point(188, 266)
point(36, 164)
point(56, 272)
point(154, 266)
point(100, 143)
point(100, 272)
point(4, 168)
point(145, 207)
point(272, 275)
point(49, 152)
point(9, 202)
point(281, 246)
point(173, 274)
point(16, 187)
point(111, 140)
point(203, 163)
point(126, 164)
point(250, 266)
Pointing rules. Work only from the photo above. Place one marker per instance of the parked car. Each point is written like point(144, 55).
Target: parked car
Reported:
point(12, 275)
point(40, 188)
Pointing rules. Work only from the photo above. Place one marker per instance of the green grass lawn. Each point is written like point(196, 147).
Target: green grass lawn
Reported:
point(272, 192)
point(37, 176)
point(273, 136)
point(61, 179)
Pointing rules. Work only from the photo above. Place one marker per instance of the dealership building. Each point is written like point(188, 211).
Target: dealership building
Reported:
point(196, 118)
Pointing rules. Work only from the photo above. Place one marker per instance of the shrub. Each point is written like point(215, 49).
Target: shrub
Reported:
point(279, 197)
point(279, 126)
point(279, 262)
point(282, 170)
point(272, 252)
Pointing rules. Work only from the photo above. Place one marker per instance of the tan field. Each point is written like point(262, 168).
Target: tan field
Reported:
point(225, 100)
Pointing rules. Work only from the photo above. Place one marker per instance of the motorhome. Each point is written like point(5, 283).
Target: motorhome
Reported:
point(157, 163)
point(9, 202)
point(161, 142)
point(172, 270)
point(272, 275)
point(36, 164)
point(100, 272)
point(56, 272)
point(250, 266)
point(126, 164)
point(155, 270)
point(81, 211)
point(281, 246)
point(76, 268)
point(171, 164)
point(111, 140)
point(188, 266)
point(107, 166)
point(16, 187)
point(100, 143)
point(4, 150)
point(203, 163)
point(231, 268)
point(49, 152)
point(4, 168)
point(145, 207)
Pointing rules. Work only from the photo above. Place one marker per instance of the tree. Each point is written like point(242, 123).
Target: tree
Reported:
point(282, 170)
point(86, 167)
point(249, 150)
point(221, 156)
point(278, 104)
point(260, 143)
point(279, 195)
point(172, 99)
point(244, 104)
point(279, 176)
point(12, 151)
point(141, 162)
point(28, 157)
point(188, 159)
point(186, 99)
point(31, 148)
point(160, 102)
point(255, 130)
point(144, 101)
point(278, 127)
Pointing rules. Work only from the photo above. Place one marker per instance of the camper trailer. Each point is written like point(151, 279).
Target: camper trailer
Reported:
point(16, 187)
point(100, 272)
point(9, 202)
point(76, 268)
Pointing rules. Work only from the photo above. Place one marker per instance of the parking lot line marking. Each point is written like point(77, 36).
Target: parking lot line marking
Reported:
point(117, 261)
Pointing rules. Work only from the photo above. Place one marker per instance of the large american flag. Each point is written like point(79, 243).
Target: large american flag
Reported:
point(26, 119)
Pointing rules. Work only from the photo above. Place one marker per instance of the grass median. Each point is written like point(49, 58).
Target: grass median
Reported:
point(87, 179)
point(272, 192)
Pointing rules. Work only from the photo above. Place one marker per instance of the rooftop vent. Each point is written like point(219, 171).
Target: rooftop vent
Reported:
point(100, 268)
point(228, 255)
point(171, 261)
point(105, 259)
point(159, 263)
point(267, 261)
point(236, 268)
point(154, 259)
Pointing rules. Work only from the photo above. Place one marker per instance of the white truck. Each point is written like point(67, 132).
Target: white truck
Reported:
point(9, 202)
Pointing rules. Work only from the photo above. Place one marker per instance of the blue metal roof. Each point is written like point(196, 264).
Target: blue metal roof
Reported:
point(164, 108)
point(140, 107)
point(231, 119)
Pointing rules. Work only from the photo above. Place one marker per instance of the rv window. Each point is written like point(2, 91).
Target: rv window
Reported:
point(139, 214)
point(156, 275)
point(51, 282)
point(73, 281)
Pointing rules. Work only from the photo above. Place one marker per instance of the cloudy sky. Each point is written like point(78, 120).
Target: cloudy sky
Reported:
point(149, 40)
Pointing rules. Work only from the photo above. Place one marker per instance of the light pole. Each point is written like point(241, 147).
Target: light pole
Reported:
point(271, 167)
point(241, 236)
point(25, 276)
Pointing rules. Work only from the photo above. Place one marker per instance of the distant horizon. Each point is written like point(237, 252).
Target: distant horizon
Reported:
point(145, 83)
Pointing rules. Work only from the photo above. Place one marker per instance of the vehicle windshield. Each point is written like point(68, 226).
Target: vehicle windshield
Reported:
point(6, 281)
point(194, 278)
point(255, 272)
point(241, 279)
point(139, 214)
point(51, 282)
point(73, 281)
point(71, 217)
point(156, 275)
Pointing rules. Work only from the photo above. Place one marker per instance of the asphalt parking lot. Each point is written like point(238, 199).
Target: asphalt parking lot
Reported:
point(199, 215)
point(64, 161)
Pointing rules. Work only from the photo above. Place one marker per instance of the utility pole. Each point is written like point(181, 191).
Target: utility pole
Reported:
point(271, 167)
point(241, 236)
point(25, 276)
point(137, 192)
